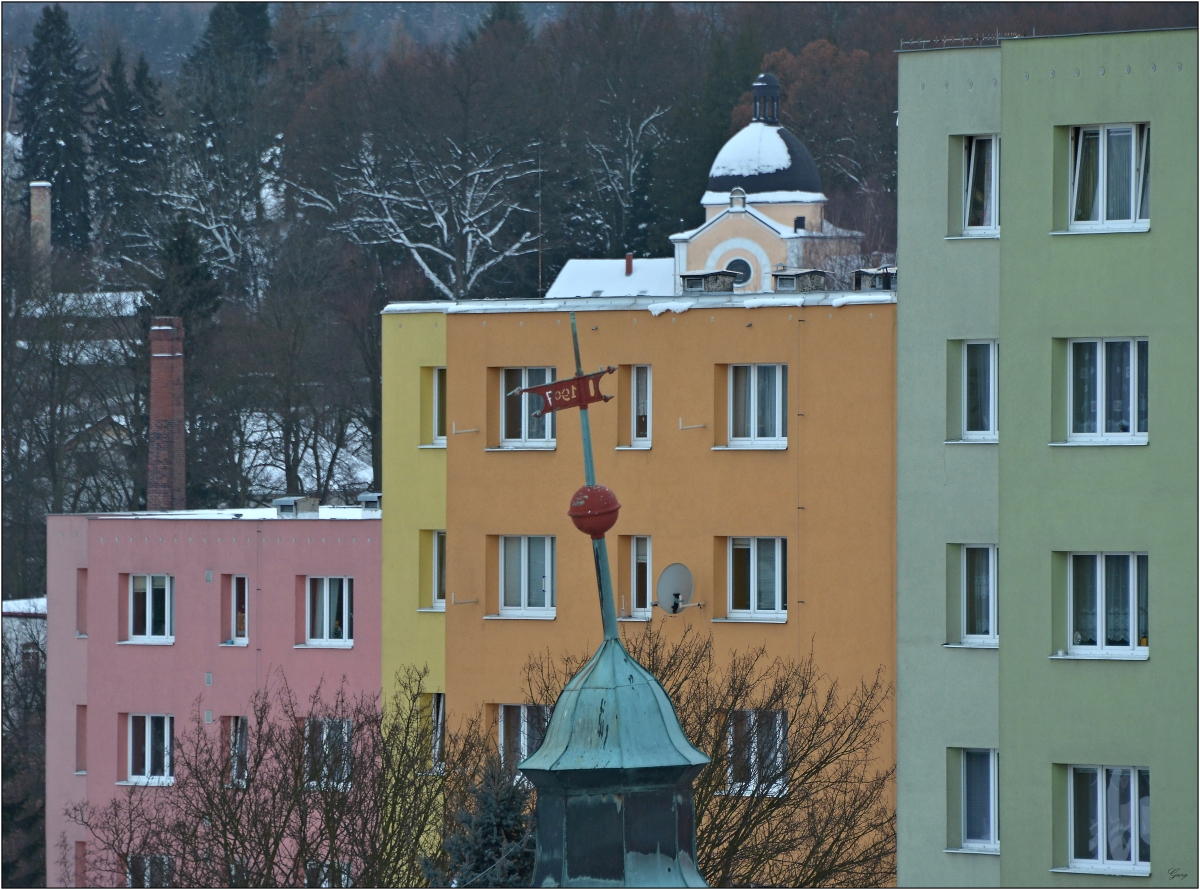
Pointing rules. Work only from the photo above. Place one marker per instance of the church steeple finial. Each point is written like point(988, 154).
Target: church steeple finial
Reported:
point(766, 99)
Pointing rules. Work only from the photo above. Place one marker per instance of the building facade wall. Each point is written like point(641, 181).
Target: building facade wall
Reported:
point(111, 678)
point(947, 698)
point(414, 481)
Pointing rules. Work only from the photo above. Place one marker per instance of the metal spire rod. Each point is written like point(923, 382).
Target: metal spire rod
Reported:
point(608, 610)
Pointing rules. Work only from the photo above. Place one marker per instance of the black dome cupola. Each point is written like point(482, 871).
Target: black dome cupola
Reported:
point(766, 99)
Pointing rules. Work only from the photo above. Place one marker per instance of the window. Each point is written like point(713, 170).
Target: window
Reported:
point(438, 721)
point(1109, 390)
point(151, 744)
point(980, 815)
point(758, 577)
point(522, 728)
point(439, 406)
point(979, 595)
point(693, 284)
point(741, 269)
point(757, 405)
point(519, 425)
point(640, 433)
point(639, 586)
point(439, 570)
point(1110, 177)
point(981, 198)
point(150, 871)
point(1109, 816)
point(328, 749)
point(1109, 608)
point(785, 282)
point(979, 390)
point(328, 874)
point(239, 736)
point(240, 602)
point(757, 751)
point(527, 575)
point(331, 611)
point(152, 608)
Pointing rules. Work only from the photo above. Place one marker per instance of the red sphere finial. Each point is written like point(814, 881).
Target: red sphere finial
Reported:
point(594, 510)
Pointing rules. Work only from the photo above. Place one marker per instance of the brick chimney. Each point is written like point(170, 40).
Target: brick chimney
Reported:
point(166, 485)
point(628, 264)
point(39, 231)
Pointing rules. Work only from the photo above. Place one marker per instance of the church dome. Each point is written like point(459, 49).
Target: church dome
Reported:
point(763, 156)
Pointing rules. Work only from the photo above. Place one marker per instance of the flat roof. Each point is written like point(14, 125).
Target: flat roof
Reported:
point(1002, 37)
point(655, 305)
point(256, 514)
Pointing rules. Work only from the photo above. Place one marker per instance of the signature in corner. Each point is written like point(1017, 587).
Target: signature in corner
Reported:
point(1176, 874)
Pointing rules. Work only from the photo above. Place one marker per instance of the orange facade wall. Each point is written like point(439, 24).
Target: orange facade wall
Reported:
point(831, 493)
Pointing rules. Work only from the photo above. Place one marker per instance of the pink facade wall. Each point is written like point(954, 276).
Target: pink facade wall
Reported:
point(113, 678)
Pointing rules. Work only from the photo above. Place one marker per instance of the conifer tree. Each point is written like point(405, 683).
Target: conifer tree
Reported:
point(54, 106)
point(187, 287)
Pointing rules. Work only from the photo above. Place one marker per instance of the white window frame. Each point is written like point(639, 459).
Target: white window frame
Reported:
point(527, 714)
point(239, 746)
point(529, 403)
point(437, 718)
point(169, 623)
point(147, 778)
point(991, 844)
point(993, 433)
point(779, 613)
point(1102, 649)
point(1137, 179)
point(636, 611)
point(1100, 436)
point(438, 562)
point(346, 640)
point(754, 784)
point(439, 414)
point(341, 781)
point(320, 874)
point(143, 862)
point(754, 440)
point(992, 639)
point(525, 610)
point(235, 638)
point(636, 441)
point(1102, 864)
point(970, 143)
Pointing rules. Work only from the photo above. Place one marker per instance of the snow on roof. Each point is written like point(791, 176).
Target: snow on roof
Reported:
point(756, 148)
point(649, 303)
point(248, 513)
point(712, 199)
point(34, 607)
point(607, 278)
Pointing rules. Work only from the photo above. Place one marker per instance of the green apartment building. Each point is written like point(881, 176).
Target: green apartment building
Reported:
point(1047, 463)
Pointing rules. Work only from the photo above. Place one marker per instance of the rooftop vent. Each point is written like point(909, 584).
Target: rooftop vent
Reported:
point(719, 282)
point(371, 500)
point(881, 278)
point(297, 507)
point(799, 280)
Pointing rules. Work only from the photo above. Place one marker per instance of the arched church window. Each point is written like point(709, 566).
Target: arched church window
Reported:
point(742, 269)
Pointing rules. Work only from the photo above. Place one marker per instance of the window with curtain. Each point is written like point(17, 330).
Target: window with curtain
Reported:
point(151, 746)
point(331, 612)
point(527, 576)
point(640, 420)
point(639, 584)
point(758, 405)
point(758, 578)
point(981, 199)
point(439, 570)
point(1109, 603)
point(522, 728)
point(1108, 382)
point(980, 829)
point(439, 406)
point(979, 595)
point(151, 609)
point(520, 425)
point(979, 390)
point(1109, 816)
point(1110, 177)
point(757, 743)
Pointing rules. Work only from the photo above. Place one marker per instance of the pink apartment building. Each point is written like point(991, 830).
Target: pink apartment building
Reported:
point(148, 612)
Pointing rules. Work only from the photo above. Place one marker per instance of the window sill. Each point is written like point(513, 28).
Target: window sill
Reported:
point(160, 641)
point(753, 619)
point(81, 772)
point(148, 780)
point(439, 609)
point(235, 644)
point(780, 445)
point(524, 616)
point(978, 851)
point(1107, 230)
point(549, 446)
point(1093, 443)
point(993, 645)
point(994, 440)
point(645, 447)
point(1135, 655)
point(438, 445)
point(973, 236)
point(638, 618)
point(1101, 870)
point(318, 644)
point(80, 636)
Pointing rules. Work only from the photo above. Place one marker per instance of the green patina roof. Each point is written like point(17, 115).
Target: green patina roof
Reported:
point(614, 714)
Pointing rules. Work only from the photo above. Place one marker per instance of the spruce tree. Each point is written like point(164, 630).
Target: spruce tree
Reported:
point(54, 106)
point(187, 287)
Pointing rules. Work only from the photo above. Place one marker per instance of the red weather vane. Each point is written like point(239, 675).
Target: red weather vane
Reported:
point(577, 392)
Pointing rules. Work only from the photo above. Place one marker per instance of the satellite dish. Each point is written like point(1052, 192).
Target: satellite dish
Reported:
point(674, 590)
